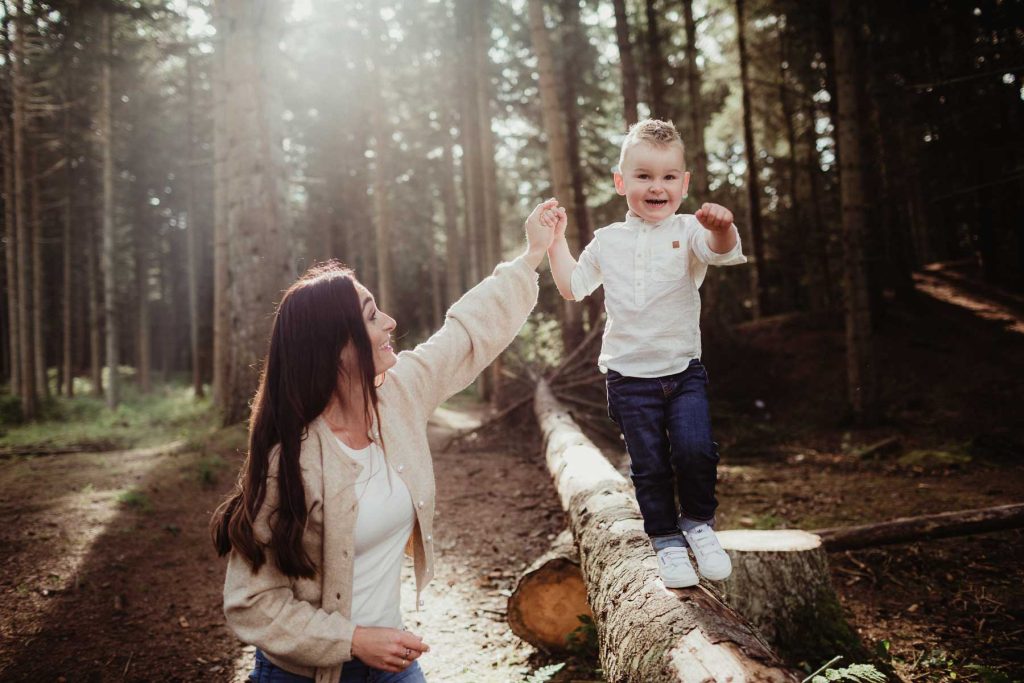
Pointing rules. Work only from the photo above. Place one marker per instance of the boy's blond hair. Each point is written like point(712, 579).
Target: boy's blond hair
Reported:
point(653, 132)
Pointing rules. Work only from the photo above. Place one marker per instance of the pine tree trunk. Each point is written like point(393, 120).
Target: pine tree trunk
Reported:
point(558, 152)
point(659, 108)
point(95, 313)
point(453, 280)
point(797, 261)
point(696, 149)
point(109, 253)
point(222, 87)
point(753, 183)
point(143, 336)
point(39, 301)
point(68, 244)
point(630, 89)
point(258, 229)
point(469, 133)
point(382, 210)
point(859, 353)
point(192, 234)
point(28, 393)
point(11, 256)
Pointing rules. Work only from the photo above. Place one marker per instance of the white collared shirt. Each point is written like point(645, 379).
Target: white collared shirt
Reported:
point(651, 274)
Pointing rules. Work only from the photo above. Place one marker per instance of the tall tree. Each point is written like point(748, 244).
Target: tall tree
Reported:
point(192, 226)
point(624, 41)
point(109, 252)
point(258, 228)
point(859, 353)
point(696, 149)
point(29, 395)
point(754, 218)
point(10, 226)
point(655, 63)
point(558, 151)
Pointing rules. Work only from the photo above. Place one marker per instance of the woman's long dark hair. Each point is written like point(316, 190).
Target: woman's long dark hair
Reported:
point(318, 316)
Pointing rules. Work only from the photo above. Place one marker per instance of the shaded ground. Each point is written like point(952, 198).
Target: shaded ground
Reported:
point(951, 370)
point(108, 573)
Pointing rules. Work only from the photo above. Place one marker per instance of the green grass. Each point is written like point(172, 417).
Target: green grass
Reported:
point(133, 498)
point(168, 413)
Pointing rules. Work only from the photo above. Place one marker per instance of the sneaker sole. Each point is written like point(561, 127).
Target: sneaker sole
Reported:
point(711, 577)
point(681, 584)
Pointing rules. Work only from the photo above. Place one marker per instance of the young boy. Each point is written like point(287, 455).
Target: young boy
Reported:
point(652, 265)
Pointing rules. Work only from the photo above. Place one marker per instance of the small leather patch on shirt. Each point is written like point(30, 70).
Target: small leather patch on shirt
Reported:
point(675, 244)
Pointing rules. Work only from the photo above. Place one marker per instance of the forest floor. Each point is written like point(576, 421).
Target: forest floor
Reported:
point(108, 573)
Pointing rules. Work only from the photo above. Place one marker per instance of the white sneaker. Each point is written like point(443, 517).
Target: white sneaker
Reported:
point(712, 561)
point(675, 568)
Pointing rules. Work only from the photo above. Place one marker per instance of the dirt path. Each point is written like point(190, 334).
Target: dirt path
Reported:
point(108, 573)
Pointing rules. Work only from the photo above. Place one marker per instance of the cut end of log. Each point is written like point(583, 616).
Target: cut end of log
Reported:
point(546, 605)
point(781, 540)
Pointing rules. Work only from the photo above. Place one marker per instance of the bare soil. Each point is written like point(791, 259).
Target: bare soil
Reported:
point(108, 573)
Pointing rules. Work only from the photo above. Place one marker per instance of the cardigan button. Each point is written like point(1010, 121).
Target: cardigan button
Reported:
point(420, 504)
point(429, 538)
point(401, 468)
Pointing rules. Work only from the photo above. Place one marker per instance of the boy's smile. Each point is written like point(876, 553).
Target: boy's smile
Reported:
point(653, 180)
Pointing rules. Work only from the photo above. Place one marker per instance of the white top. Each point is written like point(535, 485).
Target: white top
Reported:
point(384, 521)
point(651, 274)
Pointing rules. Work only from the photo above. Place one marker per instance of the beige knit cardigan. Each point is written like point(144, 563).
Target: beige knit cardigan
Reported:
point(302, 625)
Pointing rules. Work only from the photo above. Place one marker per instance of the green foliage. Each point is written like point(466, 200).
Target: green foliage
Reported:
point(133, 498)
point(207, 468)
point(769, 521)
point(167, 413)
point(582, 642)
point(988, 674)
point(10, 410)
point(544, 674)
point(855, 673)
point(539, 342)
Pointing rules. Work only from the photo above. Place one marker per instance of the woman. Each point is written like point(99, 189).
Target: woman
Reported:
point(339, 479)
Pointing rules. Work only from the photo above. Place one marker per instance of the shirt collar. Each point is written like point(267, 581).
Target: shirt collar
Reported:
point(634, 221)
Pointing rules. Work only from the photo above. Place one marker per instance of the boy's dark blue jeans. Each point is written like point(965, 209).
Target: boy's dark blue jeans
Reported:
point(666, 424)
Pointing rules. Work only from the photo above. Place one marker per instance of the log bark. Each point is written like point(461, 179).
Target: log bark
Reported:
point(780, 581)
point(646, 632)
point(550, 597)
point(925, 528)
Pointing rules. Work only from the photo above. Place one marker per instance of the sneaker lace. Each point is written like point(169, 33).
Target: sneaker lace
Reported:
point(674, 557)
point(706, 543)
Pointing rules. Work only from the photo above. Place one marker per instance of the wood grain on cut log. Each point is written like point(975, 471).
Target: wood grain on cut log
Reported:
point(926, 528)
point(781, 582)
point(550, 597)
point(646, 632)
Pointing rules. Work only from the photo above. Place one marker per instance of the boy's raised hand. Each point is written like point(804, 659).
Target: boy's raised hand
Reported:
point(714, 217)
point(540, 230)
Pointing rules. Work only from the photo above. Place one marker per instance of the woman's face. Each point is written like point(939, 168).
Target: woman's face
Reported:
point(379, 327)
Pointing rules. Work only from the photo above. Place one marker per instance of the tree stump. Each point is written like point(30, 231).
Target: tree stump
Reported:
point(550, 597)
point(647, 633)
point(780, 582)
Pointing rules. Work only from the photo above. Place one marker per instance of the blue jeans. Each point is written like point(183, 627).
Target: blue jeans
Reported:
point(666, 424)
point(354, 671)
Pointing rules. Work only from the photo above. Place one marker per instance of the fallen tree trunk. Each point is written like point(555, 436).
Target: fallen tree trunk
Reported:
point(647, 633)
point(926, 528)
point(550, 598)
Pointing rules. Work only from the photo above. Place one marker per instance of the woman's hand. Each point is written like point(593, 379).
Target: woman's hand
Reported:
point(540, 230)
point(388, 649)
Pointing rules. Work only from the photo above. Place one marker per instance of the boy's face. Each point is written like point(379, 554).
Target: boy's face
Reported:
point(653, 180)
